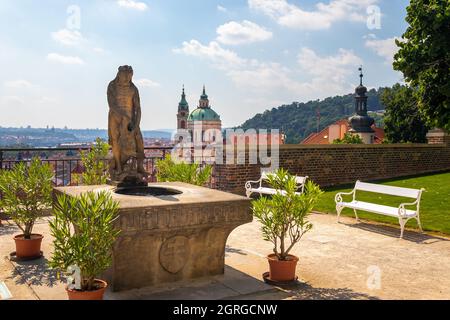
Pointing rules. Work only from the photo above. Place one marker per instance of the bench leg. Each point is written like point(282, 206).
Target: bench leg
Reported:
point(248, 193)
point(418, 222)
point(338, 210)
point(356, 215)
point(402, 226)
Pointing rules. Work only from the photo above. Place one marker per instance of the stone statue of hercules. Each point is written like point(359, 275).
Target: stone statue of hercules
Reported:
point(124, 118)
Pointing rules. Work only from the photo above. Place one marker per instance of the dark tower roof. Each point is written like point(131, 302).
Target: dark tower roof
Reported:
point(204, 96)
point(183, 105)
point(361, 121)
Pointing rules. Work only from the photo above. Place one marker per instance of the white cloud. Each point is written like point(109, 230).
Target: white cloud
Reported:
point(385, 48)
point(369, 36)
point(19, 84)
point(221, 8)
point(332, 69)
point(99, 50)
point(56, 57)
point(130, 4)
point(146, 83)
point(68, 37)
point(234, 33)
point(324, 75)
point(9, 101)
point(220, 57)
point(324, 15)
point(329, 73)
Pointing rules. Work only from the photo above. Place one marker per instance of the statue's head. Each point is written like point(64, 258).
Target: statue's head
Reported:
point(125, 74)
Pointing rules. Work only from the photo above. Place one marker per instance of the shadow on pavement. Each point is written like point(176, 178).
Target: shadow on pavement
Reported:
point(8, 229)
point(393, 232)
point(304, 291)
point(229, 249)
point(35, 273)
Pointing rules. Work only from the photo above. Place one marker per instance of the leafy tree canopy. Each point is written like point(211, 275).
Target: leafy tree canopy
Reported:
point(402, 121)
point(424, 58)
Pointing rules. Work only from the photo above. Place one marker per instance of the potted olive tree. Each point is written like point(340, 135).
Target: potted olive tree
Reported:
point(84, 235)
point(26, 194)
point(284, 221)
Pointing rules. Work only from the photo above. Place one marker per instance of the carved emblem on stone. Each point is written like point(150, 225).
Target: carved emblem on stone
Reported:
point(174, 253)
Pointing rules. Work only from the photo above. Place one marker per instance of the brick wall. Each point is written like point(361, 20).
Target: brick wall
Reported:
point(330, 165)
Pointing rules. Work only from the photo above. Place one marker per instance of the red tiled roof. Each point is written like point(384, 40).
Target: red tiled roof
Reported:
point(322, 136)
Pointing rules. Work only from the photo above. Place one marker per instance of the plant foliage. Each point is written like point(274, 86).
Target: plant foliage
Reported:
point(84, 234)
point(95, 165)
point(403, 121)
point(424, 58)
point(349, 138)
point(284, 216)
point(26, 192)
point(170, 171)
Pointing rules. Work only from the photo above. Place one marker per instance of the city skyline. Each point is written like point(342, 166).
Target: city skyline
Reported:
point(251, 55)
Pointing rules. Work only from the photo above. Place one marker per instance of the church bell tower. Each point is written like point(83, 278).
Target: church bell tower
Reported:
point(183, 112)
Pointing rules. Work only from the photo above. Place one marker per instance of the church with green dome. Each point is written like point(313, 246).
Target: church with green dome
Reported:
point(203, 116)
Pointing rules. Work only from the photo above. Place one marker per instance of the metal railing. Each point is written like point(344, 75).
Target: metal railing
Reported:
point(66, 162)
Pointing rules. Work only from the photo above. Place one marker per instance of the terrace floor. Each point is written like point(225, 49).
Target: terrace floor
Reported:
point(337, 261)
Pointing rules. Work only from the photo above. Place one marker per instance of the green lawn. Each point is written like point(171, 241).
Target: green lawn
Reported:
point(434, 206)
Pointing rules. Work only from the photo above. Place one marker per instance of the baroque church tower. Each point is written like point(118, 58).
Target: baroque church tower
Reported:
point(183, 112)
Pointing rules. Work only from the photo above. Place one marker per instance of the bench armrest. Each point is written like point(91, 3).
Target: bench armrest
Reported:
point(402, 209)
point(338, 196)
point(248, 184)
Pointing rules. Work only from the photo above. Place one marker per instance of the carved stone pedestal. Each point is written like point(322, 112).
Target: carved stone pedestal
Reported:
point(170, 238)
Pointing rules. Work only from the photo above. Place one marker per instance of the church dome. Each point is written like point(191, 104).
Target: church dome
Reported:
point(203, 114)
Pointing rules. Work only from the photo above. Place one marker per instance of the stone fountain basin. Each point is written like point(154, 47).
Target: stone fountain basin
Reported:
point(175, 236)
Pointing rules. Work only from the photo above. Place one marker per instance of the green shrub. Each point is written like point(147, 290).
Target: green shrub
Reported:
point(349, 138)
point(284, 216)
point(84, 234)
point(169, 170)
point(26, 193)
point(95, 164)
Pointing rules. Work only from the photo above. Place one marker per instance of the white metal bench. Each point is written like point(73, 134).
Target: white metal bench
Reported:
point(399, 212)
point(257, 186)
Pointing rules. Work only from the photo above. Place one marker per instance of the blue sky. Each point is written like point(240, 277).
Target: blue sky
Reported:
point(58, 56)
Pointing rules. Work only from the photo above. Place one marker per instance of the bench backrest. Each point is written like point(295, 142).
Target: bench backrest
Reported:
point(298, 179)
point(265, 175)
point(391, 190)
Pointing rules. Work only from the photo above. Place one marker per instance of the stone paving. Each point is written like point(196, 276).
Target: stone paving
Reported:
point(349, 260)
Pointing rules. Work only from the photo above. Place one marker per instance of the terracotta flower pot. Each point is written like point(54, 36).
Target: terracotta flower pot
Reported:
point(282, 270)
point(88, 295)
point(28, 248)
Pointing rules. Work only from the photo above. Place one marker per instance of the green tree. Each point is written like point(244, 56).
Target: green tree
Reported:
point(403, 122)
point(26, 193)
point(84, 234)
point(94, 163)
point(349, 138)
point(284, 216)
point(424, 58)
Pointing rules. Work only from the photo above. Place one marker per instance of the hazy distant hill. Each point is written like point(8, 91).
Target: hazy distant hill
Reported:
point(298, 120)
point(40, 137)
